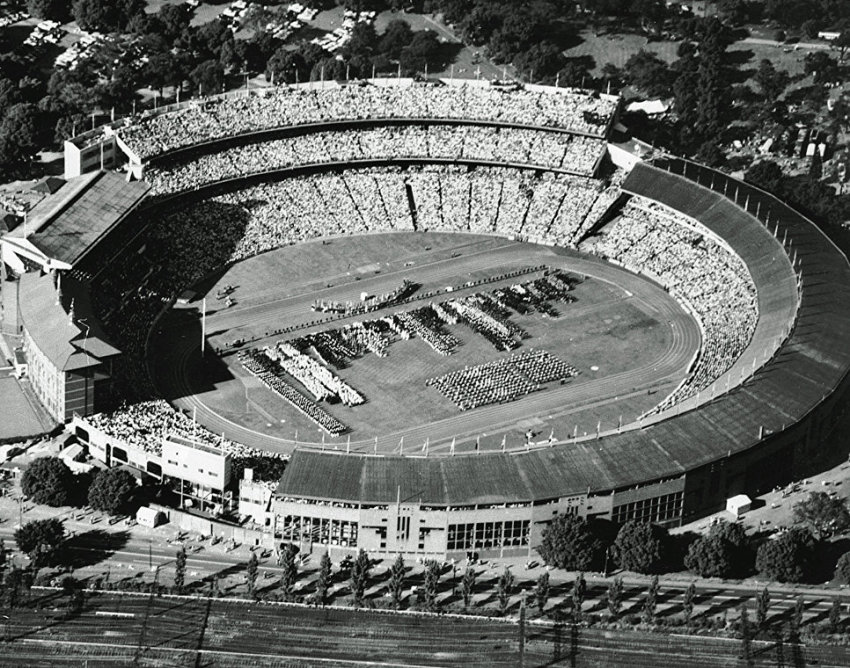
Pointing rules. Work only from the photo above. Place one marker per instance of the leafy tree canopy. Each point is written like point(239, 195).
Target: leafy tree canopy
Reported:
point(55, 10)
point(823, 514)
point(48, 480)
point(106, 15)
point(111, 490)
point(788, 557)
point(40, 540)
point(569, 543)
point(639, 546)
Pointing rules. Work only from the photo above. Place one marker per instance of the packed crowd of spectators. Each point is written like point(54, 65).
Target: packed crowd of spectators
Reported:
point(265, 109)
point(143, 426)
point(699, 272)
point(503, 380)
point(547, 150)
point(271, 375)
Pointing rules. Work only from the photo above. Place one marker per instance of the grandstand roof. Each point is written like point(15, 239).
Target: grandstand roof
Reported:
point(813, 361)
point(66, 224)
point(62, 325)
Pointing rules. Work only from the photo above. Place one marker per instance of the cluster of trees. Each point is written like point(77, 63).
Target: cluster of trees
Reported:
point(805, 192)
point(576, 544)
point(397, 48)
point(101, 15)
point(50, 482)
point(726, 551)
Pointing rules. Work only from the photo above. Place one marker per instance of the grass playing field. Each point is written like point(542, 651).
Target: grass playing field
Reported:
point(619, 333)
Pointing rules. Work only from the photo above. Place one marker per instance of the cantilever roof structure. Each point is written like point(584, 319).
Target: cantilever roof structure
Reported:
point(67, 223)
point(811, 363)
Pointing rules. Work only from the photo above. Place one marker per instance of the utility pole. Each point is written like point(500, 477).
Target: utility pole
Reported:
point(203, 323)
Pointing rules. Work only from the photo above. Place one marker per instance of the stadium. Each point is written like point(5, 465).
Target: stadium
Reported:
point(720, 369)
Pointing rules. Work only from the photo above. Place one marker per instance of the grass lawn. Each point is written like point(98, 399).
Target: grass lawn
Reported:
point(605, 328)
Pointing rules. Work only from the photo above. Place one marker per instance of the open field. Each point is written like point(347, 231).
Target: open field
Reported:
point(630, 341)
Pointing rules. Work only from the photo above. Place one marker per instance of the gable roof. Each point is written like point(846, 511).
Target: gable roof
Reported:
point(62, 325)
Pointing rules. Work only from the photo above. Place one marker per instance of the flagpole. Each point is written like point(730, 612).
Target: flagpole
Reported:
point(203, 323)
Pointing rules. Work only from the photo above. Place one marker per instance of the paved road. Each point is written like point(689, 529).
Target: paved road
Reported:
point(174, 365)
point(136, 630)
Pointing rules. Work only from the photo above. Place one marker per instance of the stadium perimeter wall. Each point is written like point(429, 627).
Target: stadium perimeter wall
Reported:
point(757, 435)
point(749, 439)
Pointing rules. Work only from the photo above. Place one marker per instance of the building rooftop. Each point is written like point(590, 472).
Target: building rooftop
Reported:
point(61, 323)
point(67, 223)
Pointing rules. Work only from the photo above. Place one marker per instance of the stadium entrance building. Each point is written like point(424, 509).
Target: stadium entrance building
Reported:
point(67, 356)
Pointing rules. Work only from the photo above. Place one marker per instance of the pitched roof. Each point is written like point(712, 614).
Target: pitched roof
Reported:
point(70, 340)
point(67, 223)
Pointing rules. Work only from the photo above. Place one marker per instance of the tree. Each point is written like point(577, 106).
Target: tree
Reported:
point(106, 15)
point(540, 61)
point(688, 602)
point(842, 569)
point(722, 553)
point(710, 154)
point(568, 542)
point(504, 587)
point(762, 607)
point(421, 52)
point(251, 571)
point(55, 10)
point(638, 546)
point(843, 43)
point(287, 66)
point(40, 539)
point(823, 514)
point(651, 13)
point(834, 615)
point(467, 585)
point(208, 77)
point(363, 41)
point(180, 570)
point(289, 574)
point(821, 67)
point(771, 81)
point(396, 581)
point(746, 636)
point(648, 73)
point(578, 594)
point(615, 596)
point(816, 172)
point(397, 35)
point(541, 591)
point(49, 481)
point(323, 581)
point(765, 174)
point(797, 616)
point(359, 578)
point(73, 589)
point(12, 587)
point(431, 586)
point(650, 603)
point(788, 557)
point(111, 490)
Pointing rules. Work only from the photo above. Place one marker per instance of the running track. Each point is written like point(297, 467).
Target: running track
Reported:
point(173, 371)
